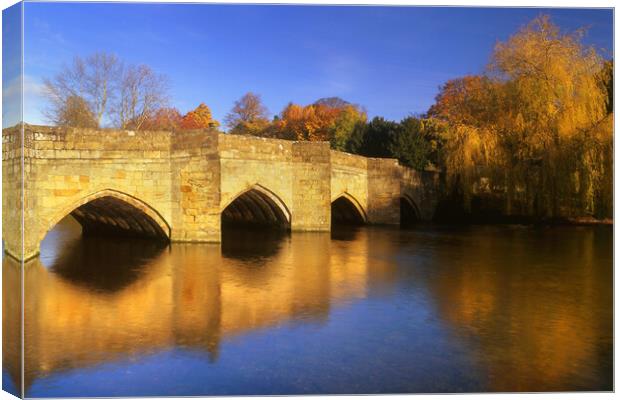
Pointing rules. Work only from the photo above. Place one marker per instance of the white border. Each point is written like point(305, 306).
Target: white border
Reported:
point(470, 3)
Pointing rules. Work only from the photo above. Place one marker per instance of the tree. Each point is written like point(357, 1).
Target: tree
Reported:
point(313, 122)
point(553, 80)
point(375, 139)
point(607, 76)
point(332, 102)
point(302, 123)
point(348, 118)
point(164, 119)
point(101, 72)
point(536, 124)
point(468, 105)
point(199, 118)
point(467, 100)
point(411, 145)
point(92, 79)
point(76, 113)
point(248, 116)
point(142, 92)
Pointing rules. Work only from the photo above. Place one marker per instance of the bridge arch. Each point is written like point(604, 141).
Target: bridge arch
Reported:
point(110, 211)
point(409, 211)
point(256, 205)
point(346, 209)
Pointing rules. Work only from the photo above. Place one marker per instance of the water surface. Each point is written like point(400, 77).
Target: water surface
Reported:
point(366, 310)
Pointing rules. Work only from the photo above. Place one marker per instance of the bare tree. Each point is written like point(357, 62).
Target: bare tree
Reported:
point(248, 110)
point(99, 87)
point(142, 92)
point(91, 79)
point(102, 72)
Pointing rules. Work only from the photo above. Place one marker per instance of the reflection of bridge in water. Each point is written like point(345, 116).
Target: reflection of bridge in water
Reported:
point(181, 296)
point(527, 324)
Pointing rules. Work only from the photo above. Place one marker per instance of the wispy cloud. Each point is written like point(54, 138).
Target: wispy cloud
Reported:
point(45, 33)
point(44, 47)
point(342, 73)
point(336, 75)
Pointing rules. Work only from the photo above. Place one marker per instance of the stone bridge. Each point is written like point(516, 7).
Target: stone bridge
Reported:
point(183, 186)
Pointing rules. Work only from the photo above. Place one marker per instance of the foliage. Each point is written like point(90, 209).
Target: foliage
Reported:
point(163, 119)
point(332, 102)
point(310, 122)
point(417, 143)
point(375, 139)
point(199, 118)
point(464, 101)
point(414, 142)
point(76, 112)
point(607, 76)
point(255, 128)
point(345, 124)
point(535, 126)
point(332, 120)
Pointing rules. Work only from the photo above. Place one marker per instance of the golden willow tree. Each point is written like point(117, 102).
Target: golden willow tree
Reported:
point(535, 127)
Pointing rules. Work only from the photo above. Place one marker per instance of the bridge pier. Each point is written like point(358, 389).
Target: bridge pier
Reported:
point(383, 191)
point(311, 188)
point(195, 181)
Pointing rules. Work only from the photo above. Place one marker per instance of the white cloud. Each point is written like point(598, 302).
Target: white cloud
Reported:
point(33, 100)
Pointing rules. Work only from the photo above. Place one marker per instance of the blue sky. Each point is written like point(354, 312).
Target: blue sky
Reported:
point(389, 59)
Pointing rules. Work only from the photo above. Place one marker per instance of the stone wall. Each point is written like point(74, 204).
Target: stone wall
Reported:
point(180, 183)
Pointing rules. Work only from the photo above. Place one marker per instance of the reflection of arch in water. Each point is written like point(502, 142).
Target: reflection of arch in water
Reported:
point(347, 210)
point(256, 206)
point(106, 264)
point(409, 211)
point(110, 212)
point(251, 245)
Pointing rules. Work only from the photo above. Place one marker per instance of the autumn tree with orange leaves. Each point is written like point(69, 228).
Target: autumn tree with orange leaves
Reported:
point(164, 119)
point(199, 118)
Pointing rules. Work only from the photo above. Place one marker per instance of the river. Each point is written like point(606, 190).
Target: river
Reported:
point(361, 310)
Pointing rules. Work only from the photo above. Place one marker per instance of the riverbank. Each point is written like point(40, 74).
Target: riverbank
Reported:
point(495, 219)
